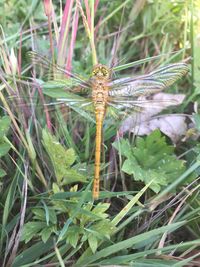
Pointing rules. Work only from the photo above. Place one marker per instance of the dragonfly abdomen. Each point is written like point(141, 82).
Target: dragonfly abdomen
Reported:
point(99, 122)
point(99, 94)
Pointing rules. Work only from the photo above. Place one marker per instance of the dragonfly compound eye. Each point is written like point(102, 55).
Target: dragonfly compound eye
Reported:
point(94, 72)
point(105, 72)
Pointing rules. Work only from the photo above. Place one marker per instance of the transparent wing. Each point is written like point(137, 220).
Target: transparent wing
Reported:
point(144, 109)
point(56, 78)
point(55, 70)
point(82, 105)
point(71, 91)
point(31, 104)
point(145, 85)
point(124, 108)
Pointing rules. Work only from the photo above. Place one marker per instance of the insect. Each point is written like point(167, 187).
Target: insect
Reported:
point(101, 92)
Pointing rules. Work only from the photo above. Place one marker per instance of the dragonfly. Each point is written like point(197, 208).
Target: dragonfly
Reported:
point(101, 92)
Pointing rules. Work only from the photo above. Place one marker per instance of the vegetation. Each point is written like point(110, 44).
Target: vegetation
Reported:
point(148, 210)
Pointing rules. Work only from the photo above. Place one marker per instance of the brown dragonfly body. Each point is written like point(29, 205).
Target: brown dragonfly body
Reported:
point(99, 81)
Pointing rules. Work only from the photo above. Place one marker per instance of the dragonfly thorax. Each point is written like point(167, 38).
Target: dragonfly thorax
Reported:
point(99, 94)
point(99, 83)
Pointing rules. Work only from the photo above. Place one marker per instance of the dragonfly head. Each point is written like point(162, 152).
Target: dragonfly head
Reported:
point(101, 71)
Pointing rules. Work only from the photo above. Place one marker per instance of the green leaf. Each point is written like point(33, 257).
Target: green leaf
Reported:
point(4, 125)
point(31, 229)
point(39, 214)
point(197, 121)
point(70, 156)
point(151, 160)
point(4, 148)
point(56, 188)
point(121, 215)
point(52, 216)
point(140, 174)
point(123, 147)
point(61, 159)
point(100, 210)
point(128, 243)
point(45, 234)
point(64, 230)
point(72, 176)
point(102, 229)
point(93, 243)
point(31, 146)
point(2, 173)
point(73, 234)
point(34, 252)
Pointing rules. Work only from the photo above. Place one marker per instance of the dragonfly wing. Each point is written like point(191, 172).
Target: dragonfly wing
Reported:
point(153, 82)
point(81, 105)
point(145, 111)
point(138, 88)
point(126, 106)
point(86, 110)
point(45, 63)
point(64, 89)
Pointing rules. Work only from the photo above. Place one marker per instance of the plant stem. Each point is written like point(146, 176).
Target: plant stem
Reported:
point(89, 32)
point(94, 55)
